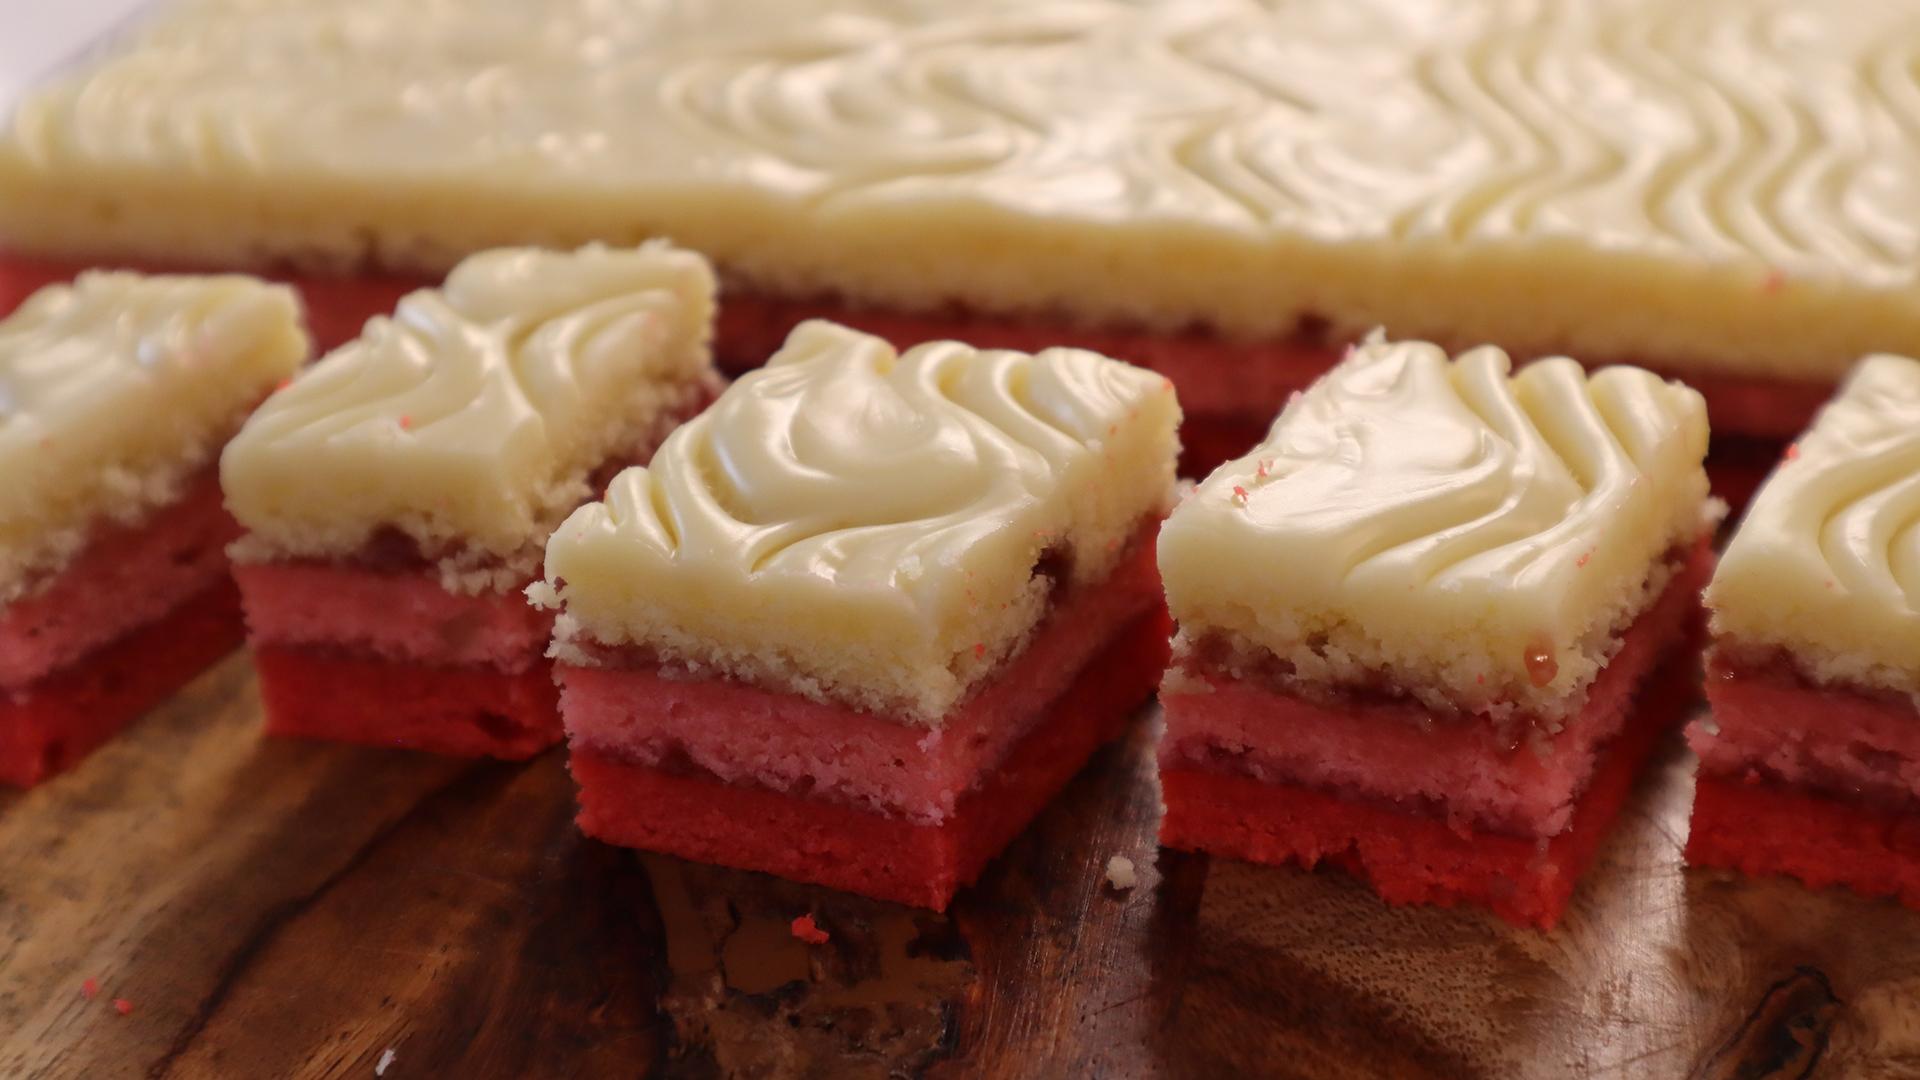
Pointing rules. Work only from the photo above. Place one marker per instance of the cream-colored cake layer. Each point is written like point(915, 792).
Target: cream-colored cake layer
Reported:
point(116, 389)
point(471, 419)
point(1826, 564)
point(1718, 185)
point(1475, 537)
point(863, 526)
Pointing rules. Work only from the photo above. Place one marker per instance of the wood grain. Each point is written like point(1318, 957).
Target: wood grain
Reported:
point(283, 909)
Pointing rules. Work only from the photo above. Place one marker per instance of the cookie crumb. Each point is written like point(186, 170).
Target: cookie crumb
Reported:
point(1121, 874)
point(808, 931)
point(386, 1060)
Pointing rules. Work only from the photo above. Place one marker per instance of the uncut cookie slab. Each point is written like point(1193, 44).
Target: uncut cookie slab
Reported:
point(1810, 760)
point(398, 495)
point(1720, 190)
point(116, 394)
point(861, 619)
point(1414, 620)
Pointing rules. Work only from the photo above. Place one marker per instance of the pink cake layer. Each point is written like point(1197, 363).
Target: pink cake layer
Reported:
point(1769, 726)
point(126, 577)
point(1466, 769)
point(740, 734)
point(399, 616)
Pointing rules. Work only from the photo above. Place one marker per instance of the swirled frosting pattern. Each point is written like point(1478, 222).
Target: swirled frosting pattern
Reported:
point(114, 389)
point(471, 419)
point(864, 526)
point(1475, 536)
point(1826, 564)
point(1727, 184)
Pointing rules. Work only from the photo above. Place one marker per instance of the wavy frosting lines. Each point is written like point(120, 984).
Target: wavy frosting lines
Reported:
point(873, 501)
point(472, 416)
point(115, 388)
point(1827, 562)
point(1475, 532)
point(1714, 173)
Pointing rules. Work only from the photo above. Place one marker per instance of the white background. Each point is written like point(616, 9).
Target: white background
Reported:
point(37, 36)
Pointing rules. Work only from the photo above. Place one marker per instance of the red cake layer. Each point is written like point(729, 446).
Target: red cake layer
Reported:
point(126, 577)
point(1227, 387)
point(474, 711)
point(695, 816)
point(1823, 841)
point(49, 726)
point(1420, 859)
point(1468, 769)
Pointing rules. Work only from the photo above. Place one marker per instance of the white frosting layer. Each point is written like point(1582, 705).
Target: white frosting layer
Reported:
point(863, 526)
point(1826, 564)
point(1471, 536)
point(114, 390)
point(1728, 184)
point(471, 419)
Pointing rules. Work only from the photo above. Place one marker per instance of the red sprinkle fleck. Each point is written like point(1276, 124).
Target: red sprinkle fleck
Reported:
point(1265, 464)
point(806, 930)
point(979, 650)
point(1240, 494)
point(406, 422)
point(1793, 450)
point(123, 1006)
point(1776, 280)
point(283, 383)
point(90, 989)
point(1541, 666)
point(1581, 562)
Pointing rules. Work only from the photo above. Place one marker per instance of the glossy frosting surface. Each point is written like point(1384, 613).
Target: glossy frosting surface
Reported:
point(471, 417)
point(1445, 526)
point(858, 524)
point(115, 389)
point(1728, 184)
point(1826, 563)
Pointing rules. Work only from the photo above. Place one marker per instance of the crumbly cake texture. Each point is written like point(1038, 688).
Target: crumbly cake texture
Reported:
point(1428, 808)
point(869, 528)
point(472, 419)
point(1474, 539)
point(137, 613)
point(114, 392)
point(1825, 567)
point(392, 659)
point(1810, 757)
point(744, 735)
point(1423, 859)
point(49, 726)
point(692, 813)
point(1552, 177)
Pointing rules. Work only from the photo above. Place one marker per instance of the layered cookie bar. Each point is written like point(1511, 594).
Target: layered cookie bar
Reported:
point(863, 618)
point(1421, 625)
point(1810, 759)
point(398, 495)
point(1228, 191)
point(116, 394)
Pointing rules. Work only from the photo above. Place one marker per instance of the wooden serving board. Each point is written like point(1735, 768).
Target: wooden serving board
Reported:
point(277, 909)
